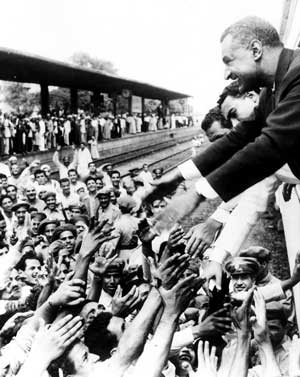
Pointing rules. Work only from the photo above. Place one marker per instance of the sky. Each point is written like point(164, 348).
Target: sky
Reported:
point(169, 43)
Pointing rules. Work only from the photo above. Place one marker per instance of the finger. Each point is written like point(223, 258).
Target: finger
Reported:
point(190, 247)
point(109, 261)
point(77, 301)
point(72, 331)
point(185, 282)
point(200, 353)
point(72, 338)
point(130, 293)
point(77, 282)
point(206, 352)
point(69, 326)
point(118, 292)
point(212, 355)
point(69, 275)
point(168, 262)
point(59, 324)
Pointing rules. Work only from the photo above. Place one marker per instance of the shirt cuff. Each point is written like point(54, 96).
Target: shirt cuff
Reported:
point(204, 188)
point(221, 215)
point(189, 170)
point(218, 255)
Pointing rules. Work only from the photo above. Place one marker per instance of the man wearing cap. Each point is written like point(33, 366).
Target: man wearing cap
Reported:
point(106, 209)
point(52, 210)
point(23, 219)
point(66, 165)
point(47, 228)
point(126, 227)
point(36, 219)
point(112, 278)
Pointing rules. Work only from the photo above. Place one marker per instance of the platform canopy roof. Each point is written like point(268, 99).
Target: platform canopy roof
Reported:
point(27, 68)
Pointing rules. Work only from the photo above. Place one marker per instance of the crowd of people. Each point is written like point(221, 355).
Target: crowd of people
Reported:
point(22, 134)
point(99, 278)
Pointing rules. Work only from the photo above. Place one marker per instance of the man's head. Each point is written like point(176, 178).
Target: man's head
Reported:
point(30, 264)
point(11, 191)
point(236, 106)
point(15, 170)
point(73, 176)
point(215, 125)
point(91, 185)
point(6, 203)
point(36, 220)
point(158, 206)
point(277, 322)
point(115, 178)
point(20, 211)
point(50, 200)
point(47, 228)
point(145, 167)
point(157, 172)
point(40, 177)
point(47, 169)
point(248, 48)
point(67, 234)
point(66, 161)
point(113, 276)
point(65, 186)
point(104, 198)
point(92, 167)
point(3, 228)
point(243, 273)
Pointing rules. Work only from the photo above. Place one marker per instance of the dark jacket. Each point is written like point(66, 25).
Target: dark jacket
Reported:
point(256, 149)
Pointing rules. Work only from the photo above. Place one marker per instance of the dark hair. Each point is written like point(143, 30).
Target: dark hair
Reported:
point(4, 197)
point(73, 170)
point(230, 90)
point(252, 27)
point(90, 178)
point(116, 172)
point(62, 180)
point(21, 265)
point(213, 115)
point(39, 171)
point(15, 187)
point(83, 218)
point(3, 176)
point(90, 163)
point(99, 340)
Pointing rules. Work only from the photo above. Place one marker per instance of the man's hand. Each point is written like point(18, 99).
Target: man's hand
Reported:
point(51, 341)
point(215, 324)
point(175, 237)
point(69, 293)
point(259, 321)
point(176, 300)
point(207, 361)
point(201, 236)
point(214, 270)
point(241, 315)
point(122, 306)
point(101, 264)
point(95, 238)
point(15, 322)
point(170, 271)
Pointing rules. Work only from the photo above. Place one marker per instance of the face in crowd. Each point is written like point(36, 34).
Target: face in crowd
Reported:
point(31, 194)
point(111, 280)
point(68, 240)
point(242, 282)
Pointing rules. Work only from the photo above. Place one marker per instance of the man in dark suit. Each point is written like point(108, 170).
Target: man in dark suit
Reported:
point(254, 56)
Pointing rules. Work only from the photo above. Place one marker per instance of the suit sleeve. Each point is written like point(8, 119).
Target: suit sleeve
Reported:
point(277, 143)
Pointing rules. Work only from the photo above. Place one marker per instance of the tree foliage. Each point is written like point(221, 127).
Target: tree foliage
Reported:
point(85, 60)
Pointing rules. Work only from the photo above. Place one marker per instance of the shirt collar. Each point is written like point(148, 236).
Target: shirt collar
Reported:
point(284, 62)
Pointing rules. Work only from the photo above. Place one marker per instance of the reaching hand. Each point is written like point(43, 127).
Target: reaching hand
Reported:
point(52, 341)
point(55, 247)
point(259, 321)
point(207, 361)
point(170, 271)
point(214, 270)
point(13, 322)
point(215, 324)
point(175, 237)
point(122, 306)
point(70, 292)
point(241, 315)
point(101, 264)
point(294, 357)
point(95, 238)
point(201, 236)
point(176, 299)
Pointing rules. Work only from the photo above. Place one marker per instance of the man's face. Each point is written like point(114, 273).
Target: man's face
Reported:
point(31, 194)
point(81, 226)
point(63, 272)
point(72, 176)
point(157, 173)
point(116, 326)
point(215, 130)
point(65, 187)
point(66, 161)
point(51, 202)
point(13, 288)
point(41, 178)
point(240, 64)
point(92, 168)
point(7, 204)
point(104, 201)
point(99, 184)
point(145, 167)
point(14, 170)
point(47, 171)
point(74, 212)
point(4, 182)
point(12, 192)
point(111, 280)
point(242, 282)
point(91, 186)
point(109, 169)
point(277, 331)
point(35, 223)
point(32, 270)
point(49, 230)
point(115, 180)
point(158, 206)
point(20, 214)
point(68, 240)
point(240, 108)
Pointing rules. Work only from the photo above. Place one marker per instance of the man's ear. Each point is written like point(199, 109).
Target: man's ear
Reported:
point(256, 49)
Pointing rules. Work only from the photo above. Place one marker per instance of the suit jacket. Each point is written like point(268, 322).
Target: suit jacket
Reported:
point(256, 149)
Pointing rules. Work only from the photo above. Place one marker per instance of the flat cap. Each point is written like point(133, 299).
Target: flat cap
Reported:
point(258, 252)
point(15, 207)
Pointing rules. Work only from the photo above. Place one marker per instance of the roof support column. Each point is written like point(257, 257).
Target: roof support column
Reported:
point(130, 104)
point(143, 114)
point(74, 100)
point(96, 101)
point(44, 98)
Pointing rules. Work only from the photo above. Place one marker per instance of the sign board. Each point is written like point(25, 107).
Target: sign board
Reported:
point(136, 105)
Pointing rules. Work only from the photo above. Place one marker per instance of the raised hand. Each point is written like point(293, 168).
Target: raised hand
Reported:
point(207, 361)
point(259, 320)
point(52, 341)
point(215, 324)
point(175, 237)
point(122, 306)
point(170, 271)
point(70, 292)
point(241, 315)
point(101, 264)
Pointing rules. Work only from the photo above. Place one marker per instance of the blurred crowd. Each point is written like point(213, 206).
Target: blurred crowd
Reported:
point(22, 134)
